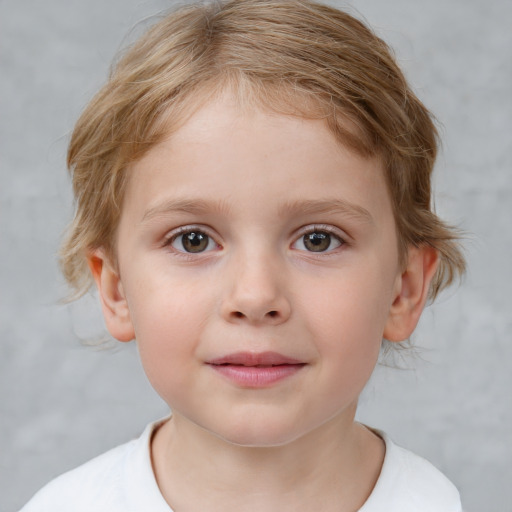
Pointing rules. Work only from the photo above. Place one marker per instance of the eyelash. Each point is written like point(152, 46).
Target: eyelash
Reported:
point(318, 229)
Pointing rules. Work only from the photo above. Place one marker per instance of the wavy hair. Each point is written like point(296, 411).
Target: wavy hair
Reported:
point(295, 57)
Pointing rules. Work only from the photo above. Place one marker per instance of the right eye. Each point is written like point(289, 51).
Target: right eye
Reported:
point(192, 241)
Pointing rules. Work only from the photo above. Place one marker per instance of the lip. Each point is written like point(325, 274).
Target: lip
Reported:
point(256, 370)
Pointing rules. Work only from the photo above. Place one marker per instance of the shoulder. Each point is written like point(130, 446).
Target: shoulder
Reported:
point(86, 487)
point(409, 483)
point(105, 483)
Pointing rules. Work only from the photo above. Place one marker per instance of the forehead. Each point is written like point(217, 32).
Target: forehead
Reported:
point(240, 153)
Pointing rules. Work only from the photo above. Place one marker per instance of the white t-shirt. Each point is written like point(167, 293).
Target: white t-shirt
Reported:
point(122, 480)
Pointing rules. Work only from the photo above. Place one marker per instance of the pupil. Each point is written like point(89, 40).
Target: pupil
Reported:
point(195, 242)
point(317, 242)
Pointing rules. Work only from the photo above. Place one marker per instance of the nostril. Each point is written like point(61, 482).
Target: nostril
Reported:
point(239, 315)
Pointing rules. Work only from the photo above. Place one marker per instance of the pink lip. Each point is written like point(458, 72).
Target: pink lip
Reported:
point(259, 370)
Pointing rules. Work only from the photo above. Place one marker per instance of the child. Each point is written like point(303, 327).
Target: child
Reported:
point(253, 204)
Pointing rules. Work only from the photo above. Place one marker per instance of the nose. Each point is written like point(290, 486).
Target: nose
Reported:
point(257, 293)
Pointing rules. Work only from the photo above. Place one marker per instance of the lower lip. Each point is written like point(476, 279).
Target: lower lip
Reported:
point(257, 376)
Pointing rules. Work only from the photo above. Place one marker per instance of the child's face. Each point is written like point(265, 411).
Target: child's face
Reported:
point(255, 235)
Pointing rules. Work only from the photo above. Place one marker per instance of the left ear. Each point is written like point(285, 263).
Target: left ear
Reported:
point(411, 292)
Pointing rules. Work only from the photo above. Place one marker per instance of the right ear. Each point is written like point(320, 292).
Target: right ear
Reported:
point(112, 296)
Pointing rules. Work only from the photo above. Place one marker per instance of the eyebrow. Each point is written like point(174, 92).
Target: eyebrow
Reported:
point(327, 206)
point(190, 206)
point(298, 207)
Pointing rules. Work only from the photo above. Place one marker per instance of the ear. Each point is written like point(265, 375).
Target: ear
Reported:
point(112, 297)
point(411, 293)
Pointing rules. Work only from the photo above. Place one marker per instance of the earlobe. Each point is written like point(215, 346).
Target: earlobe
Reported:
point(112, 296)
point(411, 293)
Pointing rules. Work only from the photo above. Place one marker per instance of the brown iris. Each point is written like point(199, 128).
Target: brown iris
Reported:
point(317, 241)
point(195, 241)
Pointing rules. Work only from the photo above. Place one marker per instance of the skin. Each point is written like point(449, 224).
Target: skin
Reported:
point(254, 183)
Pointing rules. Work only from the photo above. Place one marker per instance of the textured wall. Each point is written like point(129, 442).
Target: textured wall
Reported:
point(62, 402)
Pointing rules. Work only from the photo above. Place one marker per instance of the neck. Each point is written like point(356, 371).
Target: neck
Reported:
point(333, 468)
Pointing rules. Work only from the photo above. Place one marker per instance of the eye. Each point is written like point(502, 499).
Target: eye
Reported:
point(192, 241)
point(318, 241)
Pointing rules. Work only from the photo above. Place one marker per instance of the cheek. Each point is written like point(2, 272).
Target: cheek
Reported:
point(168, 320)
point(164, 304)
point(351, 309)
point(346, 318)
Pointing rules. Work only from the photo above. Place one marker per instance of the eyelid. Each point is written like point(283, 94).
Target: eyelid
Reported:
point(328, 228)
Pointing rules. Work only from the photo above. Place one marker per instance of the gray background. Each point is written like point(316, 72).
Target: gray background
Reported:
point(62, 402)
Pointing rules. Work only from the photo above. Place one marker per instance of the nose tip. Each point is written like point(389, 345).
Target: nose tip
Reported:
point(257, 298)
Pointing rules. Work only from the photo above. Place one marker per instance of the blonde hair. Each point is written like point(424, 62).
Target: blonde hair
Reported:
point(295, 57)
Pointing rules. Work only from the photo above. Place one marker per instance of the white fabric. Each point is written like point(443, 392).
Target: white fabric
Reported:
point(122, 480)
point(409, 483)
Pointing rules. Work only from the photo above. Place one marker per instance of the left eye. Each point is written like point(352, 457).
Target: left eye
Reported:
point(317, 241)
point(193, 241)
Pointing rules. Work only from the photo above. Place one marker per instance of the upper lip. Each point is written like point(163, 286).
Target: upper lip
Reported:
point(254, 359)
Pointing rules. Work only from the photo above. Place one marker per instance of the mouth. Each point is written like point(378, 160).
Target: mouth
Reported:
point(256, 370)
point(250, 359)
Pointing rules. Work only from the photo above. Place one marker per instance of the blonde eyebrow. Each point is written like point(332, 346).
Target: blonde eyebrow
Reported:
point(327, 206)
point(299, 207)
point(190, 206)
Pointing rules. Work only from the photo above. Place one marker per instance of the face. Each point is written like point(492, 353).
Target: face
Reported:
point(257, 269)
